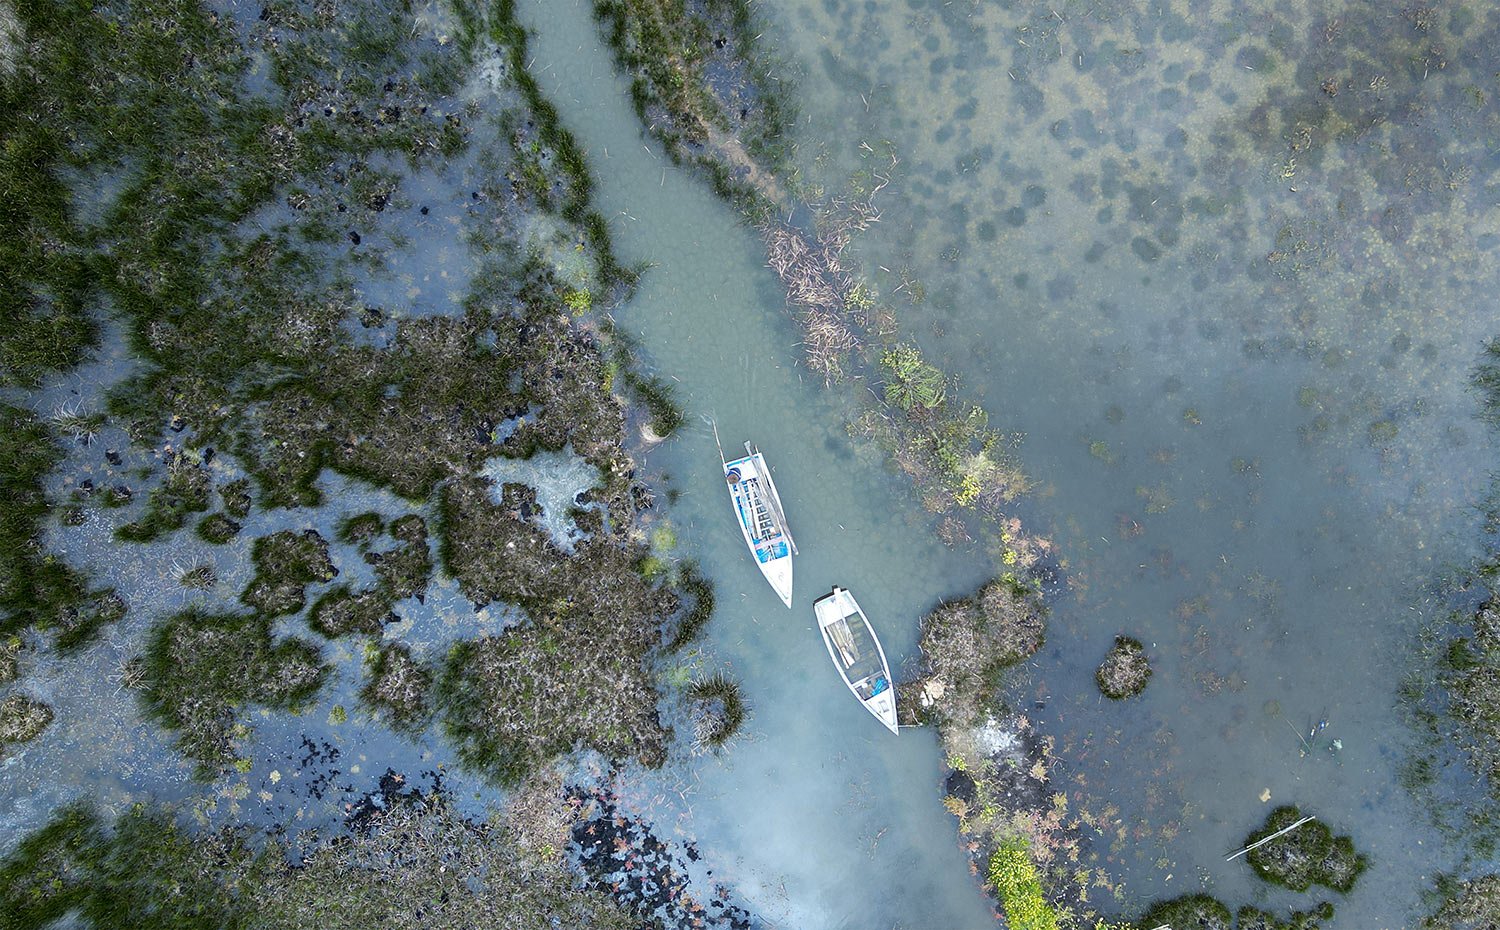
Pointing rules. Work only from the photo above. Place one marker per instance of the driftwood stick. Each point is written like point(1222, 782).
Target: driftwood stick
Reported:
point(1281, 832)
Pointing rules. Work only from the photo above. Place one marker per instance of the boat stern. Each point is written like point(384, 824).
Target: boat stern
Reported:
point(883, 706)
point(779, 574)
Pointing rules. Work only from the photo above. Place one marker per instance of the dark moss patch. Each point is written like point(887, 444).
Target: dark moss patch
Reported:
point(718, 710)
point(1309, 855)
point(340, 611)
point(396, 685)
point(200, 668)
point(285, 564)
point(1189, 912)
point(966, 644)
point(217, 528)
point(21, 720)
point(1125, 670)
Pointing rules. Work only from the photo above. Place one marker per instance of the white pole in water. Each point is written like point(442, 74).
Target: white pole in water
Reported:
point(715, 424)
point(1268, 839)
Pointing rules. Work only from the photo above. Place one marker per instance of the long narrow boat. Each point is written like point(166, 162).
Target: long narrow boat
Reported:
point(758, 508)
point(856, 653)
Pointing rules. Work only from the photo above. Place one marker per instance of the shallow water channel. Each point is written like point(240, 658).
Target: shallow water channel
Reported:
point(820, 818)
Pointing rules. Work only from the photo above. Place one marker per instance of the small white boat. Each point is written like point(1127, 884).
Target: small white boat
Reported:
point(856, 653)
point(758, 508)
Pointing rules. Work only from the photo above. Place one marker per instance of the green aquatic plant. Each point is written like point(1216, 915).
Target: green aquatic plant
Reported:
point(1019, 885)
point(911, 382)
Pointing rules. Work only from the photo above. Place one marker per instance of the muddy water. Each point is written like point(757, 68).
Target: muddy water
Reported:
point(820, 818)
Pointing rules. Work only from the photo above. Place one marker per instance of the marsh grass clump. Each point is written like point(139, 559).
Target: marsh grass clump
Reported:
point(656, 395)
point(36, 589)
point(575, 673)
point(360, 528)
point(1252, 918)
point(1125, 670)
point(404, 570)
point(10, 659)
point(966, 644)
point(1472, 674)
point(218, 529)
point(1309, 855)
point(341, 611)
point(699, 609)
point(183, 491)
point(718, 710)
point(286, 562)
point(22, 720)
point(417, 862)
point(236, 498)
point(1470, 905)
point(702, 88)
point(1189, 912)
point(199, 577)
point(200, 668)
point(396, 685)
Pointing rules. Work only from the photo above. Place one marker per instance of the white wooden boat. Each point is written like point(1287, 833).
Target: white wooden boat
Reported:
point(758, 508)
point(856, 653)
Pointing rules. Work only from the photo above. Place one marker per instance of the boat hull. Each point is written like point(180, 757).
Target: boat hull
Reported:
point(857, 655)
point(757, 508)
